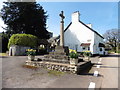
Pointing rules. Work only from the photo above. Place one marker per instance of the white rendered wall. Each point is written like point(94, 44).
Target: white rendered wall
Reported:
point(96, 47)
point(76, 34)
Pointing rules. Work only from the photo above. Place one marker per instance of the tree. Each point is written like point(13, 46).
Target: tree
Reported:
point(3, 42)
point(112, 38)
point(25, 17)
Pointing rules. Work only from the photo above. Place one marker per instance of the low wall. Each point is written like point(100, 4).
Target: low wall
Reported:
point(53, 66)
point(83, 66)
point(60, 66)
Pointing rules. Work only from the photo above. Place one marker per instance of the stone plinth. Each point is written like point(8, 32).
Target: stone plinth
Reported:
point(53, 66)
point(63, 67)
point(59, 55)
point(61, 50)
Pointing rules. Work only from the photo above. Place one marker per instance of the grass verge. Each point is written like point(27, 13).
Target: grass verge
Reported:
point(3, 54)
point(55, 73)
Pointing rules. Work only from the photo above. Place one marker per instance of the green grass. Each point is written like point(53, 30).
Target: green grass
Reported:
point(3, 54)
point(111, 51)
point(118, 51)
point(55, 73)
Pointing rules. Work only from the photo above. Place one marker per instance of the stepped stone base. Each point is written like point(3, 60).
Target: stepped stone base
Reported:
point(60, 55)
point(60, 66)
point(53, 66)
point(57, 60)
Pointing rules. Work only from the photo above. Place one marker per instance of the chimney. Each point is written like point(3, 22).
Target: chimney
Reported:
point(75, 16)
point(89, 25)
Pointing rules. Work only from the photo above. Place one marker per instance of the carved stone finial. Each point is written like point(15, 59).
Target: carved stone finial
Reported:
point(62, 15)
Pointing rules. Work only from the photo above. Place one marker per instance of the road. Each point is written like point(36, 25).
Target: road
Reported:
point(109, 70)
point(16, 76)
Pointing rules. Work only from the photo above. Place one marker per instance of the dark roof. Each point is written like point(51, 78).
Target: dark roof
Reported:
point(85, 44)
point(101, 45)
point(87, 27)
point(67, 26)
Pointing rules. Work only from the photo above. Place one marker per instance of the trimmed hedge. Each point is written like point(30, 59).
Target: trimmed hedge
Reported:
point(23, 40)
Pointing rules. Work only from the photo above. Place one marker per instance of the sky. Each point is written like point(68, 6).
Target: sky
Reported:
point(102, 15)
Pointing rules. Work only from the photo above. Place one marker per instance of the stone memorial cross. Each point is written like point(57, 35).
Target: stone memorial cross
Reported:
point(62, 29)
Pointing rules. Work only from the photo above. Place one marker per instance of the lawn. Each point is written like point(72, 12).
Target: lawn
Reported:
point(3, 54)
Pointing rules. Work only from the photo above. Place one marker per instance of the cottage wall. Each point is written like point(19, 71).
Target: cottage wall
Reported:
point(96, 47)
point(78, 33)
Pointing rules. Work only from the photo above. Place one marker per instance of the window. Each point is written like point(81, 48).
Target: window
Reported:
point(89, 40)
point(83, 48)
point(100, 49)
point(88, 48)
point(76, 47)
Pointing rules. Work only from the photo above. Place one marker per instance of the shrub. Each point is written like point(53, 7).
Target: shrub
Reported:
point(81, 54)
point(31, 52)
point(73, 54)
point(23, 40)
point(87, 53)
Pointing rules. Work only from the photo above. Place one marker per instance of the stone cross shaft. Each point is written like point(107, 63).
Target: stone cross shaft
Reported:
point(62, 29)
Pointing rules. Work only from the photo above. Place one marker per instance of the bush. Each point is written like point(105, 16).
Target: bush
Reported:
point(81, 54)
point(73, 54)
point(23, 40)
point(31, 52)
point(87, 53)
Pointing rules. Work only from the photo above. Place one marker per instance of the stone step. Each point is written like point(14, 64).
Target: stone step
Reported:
point(55, 60)
point(56, 56)
point(60, 64)
point(57, 53)
point(62, 49)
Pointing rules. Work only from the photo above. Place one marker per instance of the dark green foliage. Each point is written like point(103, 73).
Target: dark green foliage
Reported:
point(81, 54)
point(87, 54)
point(73, 55)
point(25, 17)
point(3, 42)
point(23, 40)
point(31, 52)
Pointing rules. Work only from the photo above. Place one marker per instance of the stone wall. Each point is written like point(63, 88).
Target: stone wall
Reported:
point(16, 50)
point(63, 67)
point(53, 66)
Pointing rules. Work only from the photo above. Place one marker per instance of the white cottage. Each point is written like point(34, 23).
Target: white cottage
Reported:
point(82, 37)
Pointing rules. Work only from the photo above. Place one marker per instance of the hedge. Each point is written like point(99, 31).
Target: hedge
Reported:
point(23, 40)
